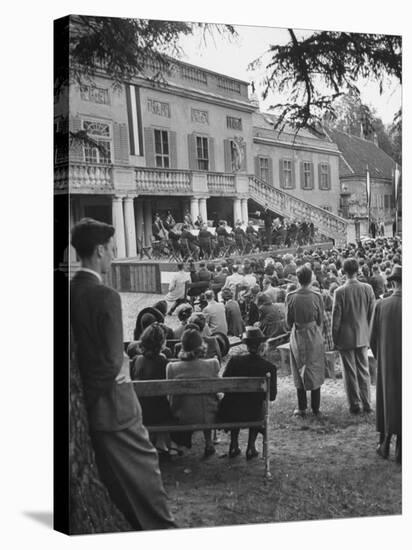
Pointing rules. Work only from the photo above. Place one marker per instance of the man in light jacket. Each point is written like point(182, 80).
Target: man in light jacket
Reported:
point(215, 314)
point(351, 317)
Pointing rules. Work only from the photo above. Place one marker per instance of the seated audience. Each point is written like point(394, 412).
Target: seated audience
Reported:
point(193, 409)
point(177, 288)
point(233, 314)
point(183, 313)
point(151, 365)
point(237, 407)
point(215, 314)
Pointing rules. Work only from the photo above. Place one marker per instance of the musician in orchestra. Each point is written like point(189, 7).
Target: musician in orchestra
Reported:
point(199, 222)
point(169, 220)
point(187, 219)
point(158, 229)
point(192, 241)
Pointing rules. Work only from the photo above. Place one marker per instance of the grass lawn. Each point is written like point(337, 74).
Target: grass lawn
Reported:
point(324, 468)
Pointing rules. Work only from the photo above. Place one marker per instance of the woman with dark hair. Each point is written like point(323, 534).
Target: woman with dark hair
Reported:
point(145, 318)
point(193, 409)
point(236, 407)
point(151, 365)
point(304, 316)
point(183, 312)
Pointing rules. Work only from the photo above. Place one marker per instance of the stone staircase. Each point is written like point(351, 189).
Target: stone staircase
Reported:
point(290, 207)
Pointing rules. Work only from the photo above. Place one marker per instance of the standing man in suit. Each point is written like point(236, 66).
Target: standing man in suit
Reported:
point(126, 460)
point(386, 344)
point(352, 314)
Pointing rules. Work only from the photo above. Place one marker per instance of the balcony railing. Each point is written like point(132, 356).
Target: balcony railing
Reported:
point(170, 182)
point(220, 184)
point(83, 177)
point(93, 178)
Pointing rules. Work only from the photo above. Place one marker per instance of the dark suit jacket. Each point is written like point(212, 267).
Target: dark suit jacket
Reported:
point(204, 274)
point(238, 407)
point(353, 307)
point(96, 321)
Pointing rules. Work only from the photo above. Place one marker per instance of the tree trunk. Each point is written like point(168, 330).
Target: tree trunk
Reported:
point(91, 508)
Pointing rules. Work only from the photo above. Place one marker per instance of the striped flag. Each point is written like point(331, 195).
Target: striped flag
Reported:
point(134, 117)
point(368, 187)
point(397, 176)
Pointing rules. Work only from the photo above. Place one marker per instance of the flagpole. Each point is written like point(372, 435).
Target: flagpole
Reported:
point(368, 198)
point(396, 198)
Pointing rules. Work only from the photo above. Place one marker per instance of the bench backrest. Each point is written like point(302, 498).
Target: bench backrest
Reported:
point(199, 386)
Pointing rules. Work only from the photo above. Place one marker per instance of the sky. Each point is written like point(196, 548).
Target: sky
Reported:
point(232, 58)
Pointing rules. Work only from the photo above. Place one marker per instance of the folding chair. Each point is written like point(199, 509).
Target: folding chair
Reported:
point(194, 290)
point(143, 250)
point(158, 249)
point(184, 246)
point(222, 246)
point(173, 251)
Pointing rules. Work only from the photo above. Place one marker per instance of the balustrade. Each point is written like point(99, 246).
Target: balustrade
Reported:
point(163, 181)
point(83, 176)
point(292, 207)
point(220, 184)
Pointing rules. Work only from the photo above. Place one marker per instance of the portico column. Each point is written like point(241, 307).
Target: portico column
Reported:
point(129, 227)
point(139, 220)
point(118, 222)
point(203, 209)
point(237, 211)
point(148, 220)
point(245, 214)
point(194, 208)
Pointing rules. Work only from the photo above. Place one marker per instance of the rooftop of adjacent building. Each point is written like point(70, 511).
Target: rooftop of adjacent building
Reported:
point(359, 153)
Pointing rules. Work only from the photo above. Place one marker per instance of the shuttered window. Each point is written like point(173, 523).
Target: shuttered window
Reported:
point(160, 147)
point(264, 168)
point(324, 176)
point(306, 175)
point(161, 142)
point(287, 175)
point(202, 153)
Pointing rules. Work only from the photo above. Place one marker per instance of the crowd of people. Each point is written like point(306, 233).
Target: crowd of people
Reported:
point(201, 239)
point(319, 300)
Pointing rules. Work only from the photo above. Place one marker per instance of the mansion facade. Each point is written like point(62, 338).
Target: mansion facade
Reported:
point(196, 141)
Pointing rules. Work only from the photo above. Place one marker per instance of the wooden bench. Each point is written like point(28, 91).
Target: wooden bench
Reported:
point(202, 386)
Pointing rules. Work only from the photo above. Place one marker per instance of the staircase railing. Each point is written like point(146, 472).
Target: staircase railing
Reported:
point(289, 206)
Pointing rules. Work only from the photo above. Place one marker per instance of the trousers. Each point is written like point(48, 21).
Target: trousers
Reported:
point(128, 465)
point(356, 377)
point(314, 400)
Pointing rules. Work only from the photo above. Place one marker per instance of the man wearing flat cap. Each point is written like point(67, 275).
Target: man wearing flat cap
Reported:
point(126, 459)
point(386, 345)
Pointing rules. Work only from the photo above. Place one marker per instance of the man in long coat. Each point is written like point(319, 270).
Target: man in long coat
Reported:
point(126, 459)
point(386, 345)
point(352, 312)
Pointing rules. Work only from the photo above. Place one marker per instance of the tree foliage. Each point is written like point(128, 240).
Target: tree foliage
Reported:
point(395, 132)
point(317, 69)
point(121, 46)
point(355, 118)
